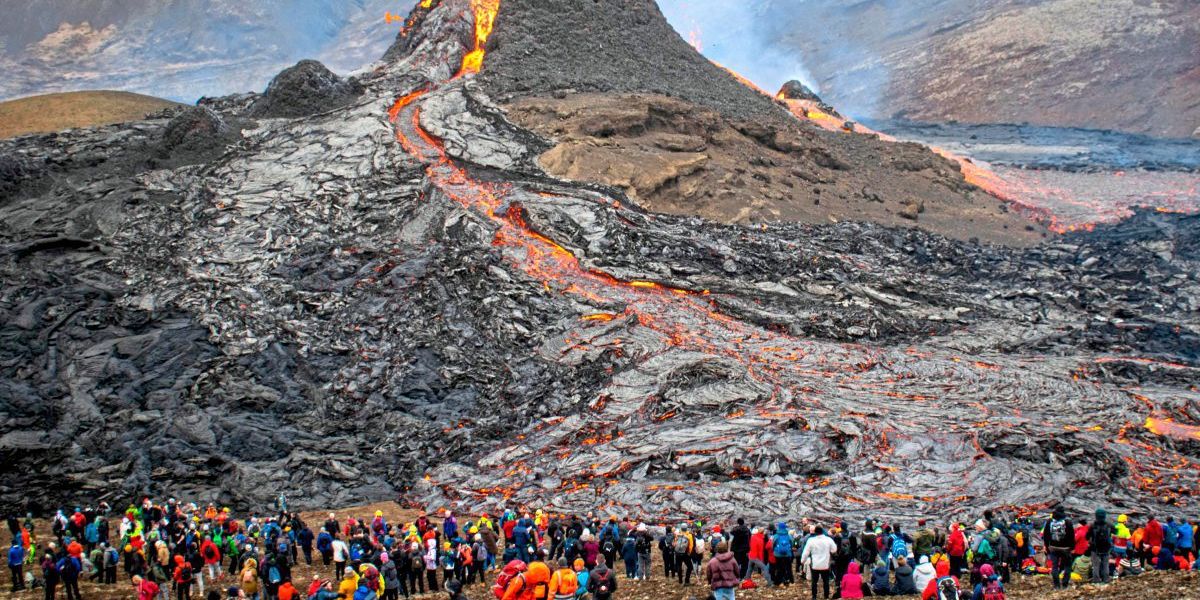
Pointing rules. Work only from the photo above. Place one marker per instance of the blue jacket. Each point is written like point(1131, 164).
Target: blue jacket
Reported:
point(16, 556)
point(364, 593)
point(324, 542)
point(629, 549)
point(881, 581)
point(1185, 535)
point(782, 546)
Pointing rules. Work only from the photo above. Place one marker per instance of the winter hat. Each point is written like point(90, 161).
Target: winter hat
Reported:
point(1123, 518)
point(383, 558)
point(986, 570)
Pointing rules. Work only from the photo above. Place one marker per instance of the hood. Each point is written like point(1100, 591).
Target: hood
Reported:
point(924, 568)
point(781, 528)
point(724, 557)
point(986, 570)
point(178, 560)
point(853, 568)
point(943, 568)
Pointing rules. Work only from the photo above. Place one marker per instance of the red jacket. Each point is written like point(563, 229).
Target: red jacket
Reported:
point(1081, 539)
point(1153, 534)
point(956, 545)
point(147, 590)
point(758, 546)
point(210, 552)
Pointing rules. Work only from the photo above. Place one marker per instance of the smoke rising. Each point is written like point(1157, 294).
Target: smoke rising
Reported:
point(739, 36)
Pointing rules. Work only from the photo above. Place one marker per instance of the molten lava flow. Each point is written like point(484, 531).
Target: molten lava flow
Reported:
point(1172, 429)
point(485, 17)
point(807, 384)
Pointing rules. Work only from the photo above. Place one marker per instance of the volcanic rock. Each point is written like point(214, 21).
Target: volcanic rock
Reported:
point(304, 89)
point(196, 134)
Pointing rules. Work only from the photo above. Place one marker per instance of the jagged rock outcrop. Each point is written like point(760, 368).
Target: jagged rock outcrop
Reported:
point(304, 89)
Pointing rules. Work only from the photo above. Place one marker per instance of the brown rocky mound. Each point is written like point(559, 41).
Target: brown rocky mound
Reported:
point(675, 157)
point(55, 112)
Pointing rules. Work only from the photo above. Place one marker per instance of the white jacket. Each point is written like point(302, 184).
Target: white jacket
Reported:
point(923, 574)
point(818, 552)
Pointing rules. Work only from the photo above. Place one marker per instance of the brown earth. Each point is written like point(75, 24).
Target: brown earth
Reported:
point(55, 112)
point(1152, 586)
point(676, 157)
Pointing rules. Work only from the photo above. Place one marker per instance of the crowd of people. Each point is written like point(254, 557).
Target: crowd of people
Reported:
point(190, 551)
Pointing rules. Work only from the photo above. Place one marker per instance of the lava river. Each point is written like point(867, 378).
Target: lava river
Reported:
point(703, 412)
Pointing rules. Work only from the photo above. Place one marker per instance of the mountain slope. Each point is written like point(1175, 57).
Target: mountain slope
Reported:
point(1130, 65)
point(52, 112)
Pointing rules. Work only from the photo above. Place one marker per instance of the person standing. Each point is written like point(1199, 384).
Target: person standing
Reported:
point(818, 557)
point(781, 548)
point(16, 562)
point(645, 545)
point(1059, 536)
point(341, 555)
point(1100, 540)
point(723, 573)
point(739, 544)
point(602, 582)
point(69, 569)
point(305, 539)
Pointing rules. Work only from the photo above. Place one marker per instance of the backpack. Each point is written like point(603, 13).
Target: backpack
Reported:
point(993, 591)
point(568, 583)
point(699, 549)
point(783, 545)
point(185, 573)
point(992, 535)
point(112, 558)
point(248, 577)
point(985, 549)
point(682, 544)
point(417, 561)
point(899, 547)
point(947, 589)
point(273, 575)
point(608, 547)
point(511, 570)
point(209, 553)
point(604, 584)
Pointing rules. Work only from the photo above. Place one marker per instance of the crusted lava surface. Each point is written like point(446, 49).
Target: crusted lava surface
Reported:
point(393, 297)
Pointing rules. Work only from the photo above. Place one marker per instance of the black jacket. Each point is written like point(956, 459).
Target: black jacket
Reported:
point(741, 539)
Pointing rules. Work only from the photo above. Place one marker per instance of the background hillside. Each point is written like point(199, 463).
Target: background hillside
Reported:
point(1131, 65)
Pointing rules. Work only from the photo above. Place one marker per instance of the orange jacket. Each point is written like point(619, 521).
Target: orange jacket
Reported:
point(563, 582)
point(533, 584)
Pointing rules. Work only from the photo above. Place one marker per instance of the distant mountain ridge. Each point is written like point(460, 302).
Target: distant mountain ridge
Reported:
point(1128, 65)
point(182, 49)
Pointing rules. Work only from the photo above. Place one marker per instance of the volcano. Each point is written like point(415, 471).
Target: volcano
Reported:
point(383, 288)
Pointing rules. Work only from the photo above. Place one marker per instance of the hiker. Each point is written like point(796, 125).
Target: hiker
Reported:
point(16, 564)
point(881, 578)
point(1059, 536)
point(904, 583)
point(944, 586)
point(69, 568)
point(756, 558)
point(630, 556)
point(563, 582)
point(990, 588)
point(923, 574)
point(1100, 541)
point(956, 549)
point(248, 578)
point(781, 549)
point(644, 544)
point(1152, 536)
point(602, 582)
point(145, 589)
point(722, 573)
point(391, 577)
point(817, 556)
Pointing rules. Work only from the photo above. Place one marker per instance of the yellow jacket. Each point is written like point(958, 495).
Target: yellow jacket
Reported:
point(348, 586)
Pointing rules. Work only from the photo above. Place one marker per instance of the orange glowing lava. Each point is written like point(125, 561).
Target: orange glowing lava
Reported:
point(1172, 429)
point(485, 17)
